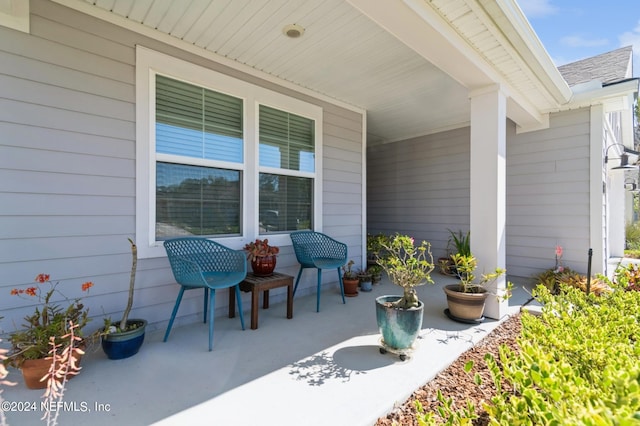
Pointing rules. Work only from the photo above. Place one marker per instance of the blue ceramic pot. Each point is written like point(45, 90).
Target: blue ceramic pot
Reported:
point(399, 327)
point(124, 345)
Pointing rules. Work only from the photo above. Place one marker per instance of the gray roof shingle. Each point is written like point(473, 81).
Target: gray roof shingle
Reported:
point(607, 67)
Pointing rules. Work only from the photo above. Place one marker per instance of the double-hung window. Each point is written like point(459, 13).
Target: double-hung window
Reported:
point(199, 157)
point(220, 158)
point(287, 168)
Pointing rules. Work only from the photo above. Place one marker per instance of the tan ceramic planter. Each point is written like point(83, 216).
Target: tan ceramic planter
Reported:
point(465, 306)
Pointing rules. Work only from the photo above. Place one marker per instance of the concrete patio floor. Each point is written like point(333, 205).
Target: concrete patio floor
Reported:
point(316, 369)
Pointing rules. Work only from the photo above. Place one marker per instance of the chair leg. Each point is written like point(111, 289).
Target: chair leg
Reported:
point(212, 304)
point(318, 290)
point(297, 281)
point(173, 314)
point(239, 301)
point(206, 299)
point(341, 286)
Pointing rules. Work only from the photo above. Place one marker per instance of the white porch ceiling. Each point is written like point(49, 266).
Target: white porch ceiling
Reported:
point(343, 54)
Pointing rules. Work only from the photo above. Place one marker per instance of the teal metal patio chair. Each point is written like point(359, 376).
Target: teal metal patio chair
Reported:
point(317, 250)
point(201, 263)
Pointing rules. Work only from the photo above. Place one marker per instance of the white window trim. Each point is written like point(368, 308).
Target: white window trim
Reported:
point(15, 14)
point(150, 62)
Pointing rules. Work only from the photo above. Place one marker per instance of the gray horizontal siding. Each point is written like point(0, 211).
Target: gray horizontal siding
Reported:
point(548, 195)
point(420, 187)
point(67, 168)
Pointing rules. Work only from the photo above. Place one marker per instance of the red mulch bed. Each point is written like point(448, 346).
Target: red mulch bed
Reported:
point(455, 383)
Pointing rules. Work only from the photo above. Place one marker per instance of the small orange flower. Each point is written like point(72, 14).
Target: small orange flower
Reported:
point(42, 278)
point(86, 286)
point(15, 291)
point(31, 291)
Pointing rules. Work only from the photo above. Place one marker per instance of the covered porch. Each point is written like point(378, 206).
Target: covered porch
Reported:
point(315, 369)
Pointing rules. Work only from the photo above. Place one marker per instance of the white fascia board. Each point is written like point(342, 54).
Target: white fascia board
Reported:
point(615, 97)
point(412, 22)
point(524, 39)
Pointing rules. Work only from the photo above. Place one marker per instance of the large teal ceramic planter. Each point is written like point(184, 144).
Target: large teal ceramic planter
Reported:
point(399, 327)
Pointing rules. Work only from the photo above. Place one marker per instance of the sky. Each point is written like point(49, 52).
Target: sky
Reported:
point(571, 30)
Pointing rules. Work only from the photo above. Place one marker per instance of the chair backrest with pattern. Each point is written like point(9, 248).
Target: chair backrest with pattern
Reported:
point(208, 255)
point(309, 244)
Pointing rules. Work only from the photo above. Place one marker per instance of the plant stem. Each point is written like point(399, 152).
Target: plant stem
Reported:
point(132, 281)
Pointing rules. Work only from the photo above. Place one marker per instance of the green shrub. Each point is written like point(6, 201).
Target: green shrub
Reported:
point(578, 363)
point(632, 234)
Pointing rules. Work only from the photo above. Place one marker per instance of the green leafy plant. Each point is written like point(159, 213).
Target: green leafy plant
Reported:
point(461, 242)
point(408, 266)
point(374, 269)
point(375, 248)
point(49, 321)
point(577, 364)
point(466, 266)
point(628, 277)
point(632, 236)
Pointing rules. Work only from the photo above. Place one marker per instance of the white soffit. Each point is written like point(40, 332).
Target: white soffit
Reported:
point(353, 57)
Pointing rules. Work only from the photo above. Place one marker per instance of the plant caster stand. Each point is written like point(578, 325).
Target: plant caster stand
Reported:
point(403, 354)
point(462, 320)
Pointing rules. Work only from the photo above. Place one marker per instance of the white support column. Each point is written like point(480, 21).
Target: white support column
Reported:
point(488, 188)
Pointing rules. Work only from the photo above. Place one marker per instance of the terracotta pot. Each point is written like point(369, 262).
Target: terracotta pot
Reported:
point(350, 287)
point(33, 370)
point(263, 266)
point(465, 306)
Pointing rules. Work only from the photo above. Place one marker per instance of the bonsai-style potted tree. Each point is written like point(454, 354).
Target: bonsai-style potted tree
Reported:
point(124, 339)
point(400, 317)
point(466, 300)
point(31, 348)
point(350, 280)
point(262, 257)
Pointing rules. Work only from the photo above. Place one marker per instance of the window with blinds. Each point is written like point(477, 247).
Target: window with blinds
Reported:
point(196, 130)
point(287, 142)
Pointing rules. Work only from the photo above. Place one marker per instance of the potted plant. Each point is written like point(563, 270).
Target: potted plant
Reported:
point(262, 257)
point(376, 273)
point(350, 280)
point(466, 300)
point(400, 317)
point(462, 246)
point(365, 280)
point(374, 247)
point(124, 339)
point(31, 347)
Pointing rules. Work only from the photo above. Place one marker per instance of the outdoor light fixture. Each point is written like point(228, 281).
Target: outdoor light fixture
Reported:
point(293, 30)
point(624, 159)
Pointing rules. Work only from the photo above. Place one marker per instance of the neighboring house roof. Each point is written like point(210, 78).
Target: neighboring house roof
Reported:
point(607, 67)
